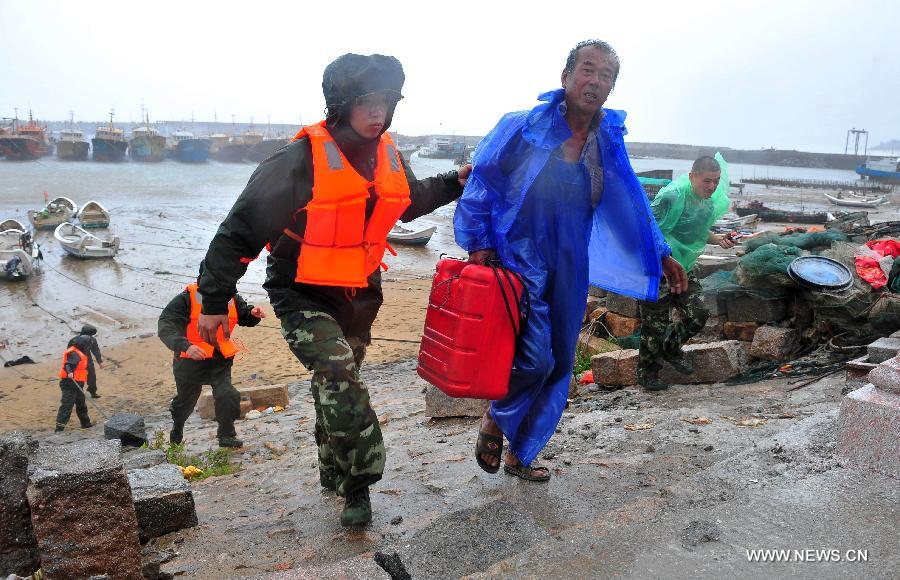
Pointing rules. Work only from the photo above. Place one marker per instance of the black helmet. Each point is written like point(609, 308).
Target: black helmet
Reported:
point(355, 75)
point(88, 329)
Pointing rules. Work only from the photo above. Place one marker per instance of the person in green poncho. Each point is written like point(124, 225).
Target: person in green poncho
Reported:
point(685, 211)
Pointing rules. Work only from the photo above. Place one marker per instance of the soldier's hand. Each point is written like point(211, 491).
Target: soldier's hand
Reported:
point(675, 275)
point(100, 364)
point(209, 324)
point(257, 312)
point(195, 352)
point(726, 242)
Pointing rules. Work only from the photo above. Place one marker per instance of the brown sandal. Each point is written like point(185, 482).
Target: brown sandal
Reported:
point(527, 472)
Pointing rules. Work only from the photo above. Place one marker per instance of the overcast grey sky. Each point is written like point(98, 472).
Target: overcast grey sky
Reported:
point(786, 74)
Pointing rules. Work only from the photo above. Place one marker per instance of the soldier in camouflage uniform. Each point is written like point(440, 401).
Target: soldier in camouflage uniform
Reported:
point(327, 327)
point(685, 211)
point(661, 339)
point(351, 449)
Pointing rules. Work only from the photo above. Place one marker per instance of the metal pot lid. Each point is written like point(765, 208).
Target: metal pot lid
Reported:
point(820, 273)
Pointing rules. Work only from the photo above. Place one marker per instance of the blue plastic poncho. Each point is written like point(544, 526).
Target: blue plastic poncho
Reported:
point(523, 200)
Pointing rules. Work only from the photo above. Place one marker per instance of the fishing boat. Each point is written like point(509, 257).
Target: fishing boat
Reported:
point(26, 142)
point(443, 147)
point(262, 150)
point(93, 215)
point(12, 224)
point(187, 148)
point(735, 221)
point(884, 170)
point(146, 143)
point(109, 142)
point(768, 214)
point(18, 252)
point(60, 210)
point(72, 145)
point(238, 147)
point(400, 235)
point(854, 200)
point(83, 244)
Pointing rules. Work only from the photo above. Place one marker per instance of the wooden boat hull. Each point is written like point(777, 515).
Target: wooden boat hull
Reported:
point(93, 215)
point(783, 216)
point(59, 211)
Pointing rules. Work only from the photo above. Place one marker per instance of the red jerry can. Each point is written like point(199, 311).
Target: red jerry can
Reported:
point(473, 319)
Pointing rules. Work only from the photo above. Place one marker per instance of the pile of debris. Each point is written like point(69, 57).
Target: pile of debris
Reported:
point(761, 316)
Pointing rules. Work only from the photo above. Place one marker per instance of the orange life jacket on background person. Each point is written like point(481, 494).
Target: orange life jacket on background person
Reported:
point(225, 346)
point(81, 371)
point(340, 247)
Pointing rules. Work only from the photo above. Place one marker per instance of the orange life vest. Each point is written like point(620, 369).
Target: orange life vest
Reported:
point(226, 347)
point(80, 373)
point(341, 248)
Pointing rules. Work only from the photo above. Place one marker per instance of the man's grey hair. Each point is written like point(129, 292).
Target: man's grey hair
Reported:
point(598, 44)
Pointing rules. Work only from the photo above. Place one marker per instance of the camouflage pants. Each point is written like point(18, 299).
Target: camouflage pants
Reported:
point(347, 431)
point(659, 334)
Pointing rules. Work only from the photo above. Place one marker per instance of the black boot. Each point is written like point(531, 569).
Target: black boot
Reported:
point(357, 508)
point(232, 442)
point(176, 435)
point(652, 383)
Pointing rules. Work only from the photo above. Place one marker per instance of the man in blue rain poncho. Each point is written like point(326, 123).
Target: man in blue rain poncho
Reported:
point(553, 197)
point(685, 211)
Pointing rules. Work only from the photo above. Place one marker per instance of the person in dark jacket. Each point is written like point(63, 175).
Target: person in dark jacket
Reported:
point(193, 367)
point(89, 331)
point(327, 326)
point(72, 377)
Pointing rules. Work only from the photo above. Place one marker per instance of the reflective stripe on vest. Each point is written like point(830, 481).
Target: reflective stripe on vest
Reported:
point(226, 347)
point(80, 372)
point(340, 247)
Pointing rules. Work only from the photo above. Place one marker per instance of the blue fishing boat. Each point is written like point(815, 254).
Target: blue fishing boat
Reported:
point(885, 170)
point(189, 149)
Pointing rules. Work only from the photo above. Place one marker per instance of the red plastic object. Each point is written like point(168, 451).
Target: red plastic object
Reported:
point(588, 377)
point(469, 340)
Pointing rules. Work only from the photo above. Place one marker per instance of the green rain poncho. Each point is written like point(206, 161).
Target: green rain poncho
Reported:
point(685, 219)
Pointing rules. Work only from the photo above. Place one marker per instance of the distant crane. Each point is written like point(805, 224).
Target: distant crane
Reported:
point(856, 134)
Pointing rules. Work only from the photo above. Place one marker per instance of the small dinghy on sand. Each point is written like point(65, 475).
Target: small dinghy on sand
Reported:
point(83, 244)
point(18, 252)
point(58, 211)
point(407, 237)
point(855, 200)
point(93, 215)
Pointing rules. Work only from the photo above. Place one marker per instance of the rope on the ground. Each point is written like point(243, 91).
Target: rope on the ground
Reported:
point(89, 287)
